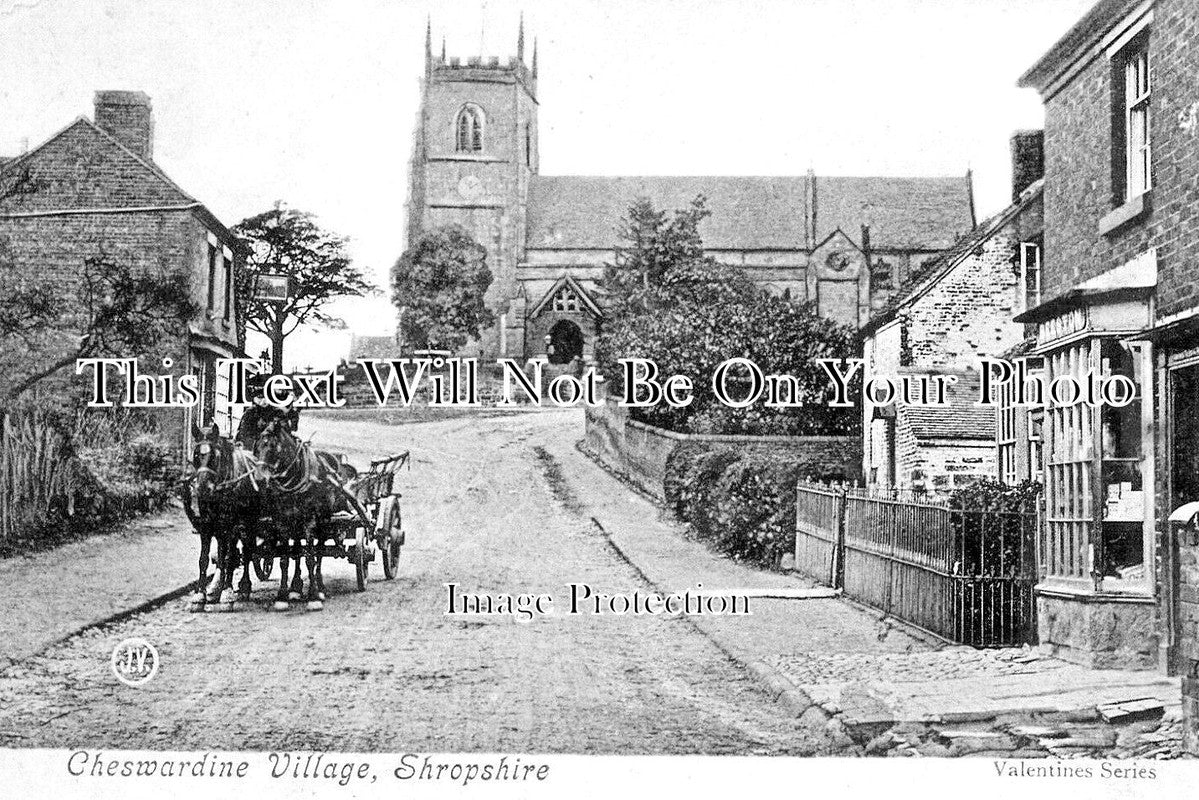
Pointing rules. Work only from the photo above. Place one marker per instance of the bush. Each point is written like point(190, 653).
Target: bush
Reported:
point(743, 504)
point(132, 477)
point(73, 472)
point(152, 461)
point(993, 526)
point(678, 485)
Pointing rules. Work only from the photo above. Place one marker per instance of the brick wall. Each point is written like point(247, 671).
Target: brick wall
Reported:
point(50, 252)
point(639, 451)
point(942, 465)
point(1078, 185)
point(1078, 146)
point(1174, 46)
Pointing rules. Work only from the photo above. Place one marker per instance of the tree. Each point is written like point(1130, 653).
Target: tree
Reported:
point(439, 285)
point(121, 312)
point(670, 302)
point(288, 242)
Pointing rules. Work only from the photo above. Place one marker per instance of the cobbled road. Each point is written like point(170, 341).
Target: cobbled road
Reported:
point(387, 669)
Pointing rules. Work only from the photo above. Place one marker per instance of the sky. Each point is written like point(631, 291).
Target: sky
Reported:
point(314, 102)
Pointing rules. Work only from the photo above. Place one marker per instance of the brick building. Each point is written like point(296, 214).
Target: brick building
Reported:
point(948, 315)
point(844, 243)
point(1121, 95)
point(96, 192)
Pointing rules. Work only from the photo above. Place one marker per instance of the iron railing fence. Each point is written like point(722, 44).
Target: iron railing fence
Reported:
point(963, 573)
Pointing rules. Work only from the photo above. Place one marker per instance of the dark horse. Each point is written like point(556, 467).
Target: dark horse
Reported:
point(228, 506)
point(302, 494)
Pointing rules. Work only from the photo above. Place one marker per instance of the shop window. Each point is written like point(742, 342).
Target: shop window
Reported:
point(1098, 459)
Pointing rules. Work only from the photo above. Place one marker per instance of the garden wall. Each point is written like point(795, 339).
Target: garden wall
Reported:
point(639, 451)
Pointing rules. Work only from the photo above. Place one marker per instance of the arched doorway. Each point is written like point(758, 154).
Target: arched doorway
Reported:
point(566, 342)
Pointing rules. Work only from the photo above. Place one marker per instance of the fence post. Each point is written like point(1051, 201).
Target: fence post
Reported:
point(837, 568)
point(893, 531)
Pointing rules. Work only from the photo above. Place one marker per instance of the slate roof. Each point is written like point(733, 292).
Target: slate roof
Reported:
point(570, 211)
point(932, 271)
point(960, 419)
point(127, 181)
point(903, 213)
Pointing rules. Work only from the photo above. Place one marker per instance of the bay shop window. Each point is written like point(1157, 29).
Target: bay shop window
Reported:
point(1098, 531)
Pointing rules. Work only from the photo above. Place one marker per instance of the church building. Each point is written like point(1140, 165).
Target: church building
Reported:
point(843, 243)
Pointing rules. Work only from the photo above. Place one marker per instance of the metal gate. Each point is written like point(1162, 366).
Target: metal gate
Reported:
point(963, 574)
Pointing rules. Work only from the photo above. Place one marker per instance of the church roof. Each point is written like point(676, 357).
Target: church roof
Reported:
point(903, 213)
point(762, 213)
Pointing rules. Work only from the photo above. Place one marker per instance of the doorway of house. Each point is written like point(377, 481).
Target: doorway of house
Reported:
point(1184, 460)
point(1183, 441)
point(566, 341)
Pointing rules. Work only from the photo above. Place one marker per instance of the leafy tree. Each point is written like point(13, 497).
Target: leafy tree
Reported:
point(121, 311)
point(670, 302)
point(439, 285)
point(285, 241)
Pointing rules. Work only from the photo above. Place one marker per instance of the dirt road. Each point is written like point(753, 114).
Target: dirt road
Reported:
point(388, 670)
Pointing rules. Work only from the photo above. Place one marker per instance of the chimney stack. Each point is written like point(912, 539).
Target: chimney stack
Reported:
point(128, 118)
point(1028, 160)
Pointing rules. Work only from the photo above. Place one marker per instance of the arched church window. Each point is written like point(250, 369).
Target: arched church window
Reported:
point(470, 130)
point(566, 300)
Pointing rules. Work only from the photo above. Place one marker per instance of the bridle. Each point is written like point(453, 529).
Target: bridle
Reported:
point(220, 451)
point(299, 481)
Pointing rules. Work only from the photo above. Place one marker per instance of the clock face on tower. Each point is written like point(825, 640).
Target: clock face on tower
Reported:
point(469, 187)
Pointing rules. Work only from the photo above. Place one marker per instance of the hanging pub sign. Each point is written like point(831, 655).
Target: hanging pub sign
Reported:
point(272, 288)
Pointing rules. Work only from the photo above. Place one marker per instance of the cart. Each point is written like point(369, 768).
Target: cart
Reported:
point(372, 522)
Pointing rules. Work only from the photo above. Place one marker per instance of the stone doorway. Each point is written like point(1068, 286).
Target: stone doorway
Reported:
point(566, 342)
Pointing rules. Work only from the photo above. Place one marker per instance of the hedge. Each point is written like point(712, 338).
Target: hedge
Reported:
point(742, 504)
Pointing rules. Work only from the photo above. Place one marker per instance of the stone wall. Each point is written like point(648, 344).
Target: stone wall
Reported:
point(968, 313)
point(639, 451)
point(1099, 633)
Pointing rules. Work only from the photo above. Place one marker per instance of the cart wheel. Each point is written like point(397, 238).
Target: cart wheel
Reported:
point(360, 561)
point(390, 541)
point(264, 566)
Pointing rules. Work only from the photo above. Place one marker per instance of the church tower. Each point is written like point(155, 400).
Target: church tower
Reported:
point(474, 152)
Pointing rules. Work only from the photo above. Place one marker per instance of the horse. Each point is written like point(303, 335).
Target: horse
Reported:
point(228, 505)
point(303, 495)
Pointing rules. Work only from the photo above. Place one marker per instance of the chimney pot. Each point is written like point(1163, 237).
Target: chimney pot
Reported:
point(128, 118)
